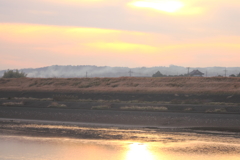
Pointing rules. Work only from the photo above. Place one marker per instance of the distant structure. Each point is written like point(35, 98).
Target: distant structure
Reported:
point(130, 73)
point(225, 72)
point(196, 73)
point(188, 68)
point(157, 74)
point(232, 75)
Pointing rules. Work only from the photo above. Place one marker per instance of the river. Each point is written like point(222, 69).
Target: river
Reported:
point(16, 147)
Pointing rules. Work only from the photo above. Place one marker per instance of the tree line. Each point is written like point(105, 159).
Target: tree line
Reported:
point(14, 74)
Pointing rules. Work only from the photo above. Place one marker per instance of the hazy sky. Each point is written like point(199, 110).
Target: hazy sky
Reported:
point(133, 33)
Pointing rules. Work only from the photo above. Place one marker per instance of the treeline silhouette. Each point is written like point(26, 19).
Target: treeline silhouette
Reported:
point(14, 74)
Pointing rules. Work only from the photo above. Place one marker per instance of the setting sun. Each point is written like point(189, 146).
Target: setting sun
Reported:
point(139, 152)
point(162, 5)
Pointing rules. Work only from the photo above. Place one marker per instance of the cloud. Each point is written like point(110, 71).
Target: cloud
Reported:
point(41, 12)
point(161, 5)
point(170, 7)
point(73, 32)
point(86, 3)
point(47, 45)
point(123, 47)
point(198, 18)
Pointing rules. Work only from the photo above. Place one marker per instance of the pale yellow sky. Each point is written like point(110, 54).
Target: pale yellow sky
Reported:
point(132, 33)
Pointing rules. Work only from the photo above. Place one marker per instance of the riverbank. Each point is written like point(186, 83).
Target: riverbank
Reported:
point(115, 117)
point(180, 90)
point(186, 86)
point(209, 104)
point(113, 124)
point(119, 126)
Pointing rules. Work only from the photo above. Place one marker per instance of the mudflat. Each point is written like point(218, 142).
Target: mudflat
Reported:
point(172, 89)
point(209, 104)
point(141, 118)
point(119, 125)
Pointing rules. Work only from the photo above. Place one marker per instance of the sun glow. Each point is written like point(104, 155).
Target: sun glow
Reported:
point(139, 152)
point(162, 5)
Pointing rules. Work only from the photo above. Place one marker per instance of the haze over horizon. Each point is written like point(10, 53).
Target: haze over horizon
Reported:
point(133, 33)
point(79, 71)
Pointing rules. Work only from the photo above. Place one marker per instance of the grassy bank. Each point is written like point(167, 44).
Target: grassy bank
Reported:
point(166, 85)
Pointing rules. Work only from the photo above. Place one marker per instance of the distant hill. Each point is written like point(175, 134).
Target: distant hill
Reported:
point(105, 71)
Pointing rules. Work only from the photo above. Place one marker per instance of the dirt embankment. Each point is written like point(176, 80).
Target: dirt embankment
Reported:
point(202, 95)
point(176, 85)
point(191, 102)
point(176, 89)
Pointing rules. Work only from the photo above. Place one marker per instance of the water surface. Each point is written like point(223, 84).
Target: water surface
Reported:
point(14, 147)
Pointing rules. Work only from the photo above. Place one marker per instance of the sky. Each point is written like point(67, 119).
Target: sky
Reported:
point(123, 33)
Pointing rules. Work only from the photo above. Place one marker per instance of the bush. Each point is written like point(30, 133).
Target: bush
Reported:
point(14, 74)
point(232, 75)
point(158, 74)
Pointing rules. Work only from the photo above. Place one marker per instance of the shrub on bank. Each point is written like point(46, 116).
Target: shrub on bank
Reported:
point(14, 74)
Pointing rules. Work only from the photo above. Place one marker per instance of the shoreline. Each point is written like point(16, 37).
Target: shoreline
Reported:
point(164, 119)
point(115, 125)
point(121, 102)
point(176, 105)
point(96, 131)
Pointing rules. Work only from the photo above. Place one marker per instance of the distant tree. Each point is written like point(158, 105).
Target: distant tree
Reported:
point(14, 74)
point(232, 75)
point(238, 75)
point(158, 74)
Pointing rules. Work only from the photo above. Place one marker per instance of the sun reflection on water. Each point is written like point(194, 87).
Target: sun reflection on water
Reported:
point(138, 151)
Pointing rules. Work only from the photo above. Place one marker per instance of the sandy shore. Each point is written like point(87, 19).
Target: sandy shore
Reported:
point(149, 119)
point(172, 105)
point(118, 125)
point(176, 89)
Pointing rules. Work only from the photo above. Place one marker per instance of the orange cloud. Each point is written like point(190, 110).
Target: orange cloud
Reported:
point(162, 5)
point(72, 37)
point(174, 7)
point(124, 47)
point(90, 3)
point(74, 45)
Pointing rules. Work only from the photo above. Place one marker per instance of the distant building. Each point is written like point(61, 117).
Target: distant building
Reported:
point(158, 74)
point(196, 73)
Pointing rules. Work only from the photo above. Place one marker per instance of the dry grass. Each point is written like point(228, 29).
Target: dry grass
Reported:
point(145, 108)
point(13, 104)
point(173, 85)
point(101, 107)
point(65, 98)
point(46, 99)
point(223, 103)
point(24, 98)
point(221, 110)
point(188, 109)
point(55, 104)
point(31, 99)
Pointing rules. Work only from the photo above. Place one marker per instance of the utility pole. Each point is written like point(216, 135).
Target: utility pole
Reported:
point(86, 74)
point(206, 73)
point(188, 68)
point(130, 73)
point(225, 72)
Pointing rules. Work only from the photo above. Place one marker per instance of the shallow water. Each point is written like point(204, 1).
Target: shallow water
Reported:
point(13, 147)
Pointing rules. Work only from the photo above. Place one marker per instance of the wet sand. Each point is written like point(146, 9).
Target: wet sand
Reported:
point(150, 119)
point(190, 121)
point(177, 117)
point(50, 122)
